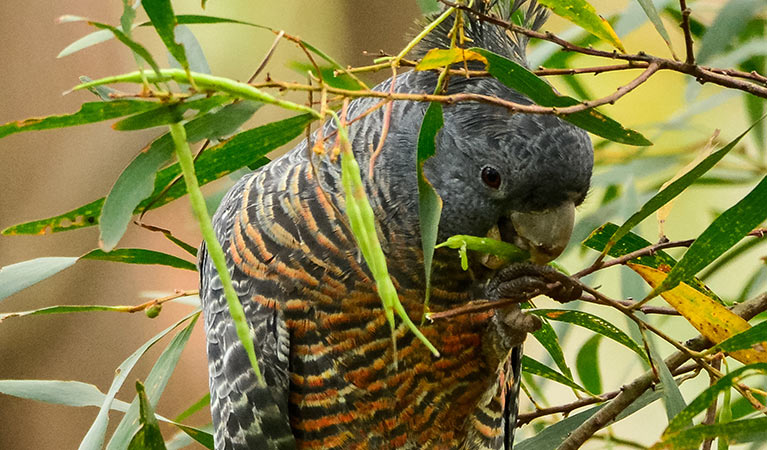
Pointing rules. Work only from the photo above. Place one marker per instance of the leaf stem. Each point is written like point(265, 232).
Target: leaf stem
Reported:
point(186, 162)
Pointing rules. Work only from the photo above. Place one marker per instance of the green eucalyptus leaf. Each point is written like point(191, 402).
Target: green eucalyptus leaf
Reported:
point(587, 364)
point(671, 394)
point(155, 384)
point(169, 113)
point(673, 190)
point(649, 8)
point(530, 365)
point(137, 182)
point(581, 13)
point(69, 393)
point(593, 323)
point(522, 80)
point(89, 113)
point(140, 256)
point(163, 19)
point(16, 277)
point(726, 230)
point(245, 149)
point(94, 439)
point(148, 437)
point(429, 202)
point(737, 432)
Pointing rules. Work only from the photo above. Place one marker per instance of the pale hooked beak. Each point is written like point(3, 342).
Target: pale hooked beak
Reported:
point(544, 234)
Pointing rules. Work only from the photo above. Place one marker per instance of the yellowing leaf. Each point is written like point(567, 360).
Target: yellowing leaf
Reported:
point(711, 319)
point(581, 13)
point(665, 210)
point(440, 57)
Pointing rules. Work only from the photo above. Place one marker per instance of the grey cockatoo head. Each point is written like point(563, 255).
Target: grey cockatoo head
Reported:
point(524, 173)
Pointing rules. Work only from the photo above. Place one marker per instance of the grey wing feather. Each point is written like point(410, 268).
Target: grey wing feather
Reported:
point(245, 414)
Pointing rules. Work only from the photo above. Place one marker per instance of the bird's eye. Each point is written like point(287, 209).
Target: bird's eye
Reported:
point(491, 177)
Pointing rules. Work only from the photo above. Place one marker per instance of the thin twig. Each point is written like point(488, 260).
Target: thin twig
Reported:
point(686, 29)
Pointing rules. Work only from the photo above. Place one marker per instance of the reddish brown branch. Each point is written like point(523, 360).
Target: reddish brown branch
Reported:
point(686, 29)
point(701, 74)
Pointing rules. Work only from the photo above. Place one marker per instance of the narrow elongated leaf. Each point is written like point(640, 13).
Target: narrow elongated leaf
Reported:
point(69, 393)
point(88, 113)
point(756, 335)
point(552, 436)
point(632, 242)
point(194, 53)
point(581, 13)
point(705, 398)
point(169, 113)
point(137, 181)
point(155, 384)
point(148, 436)
point(738, 432)
point(522, 80)
point(197, 406)
point(673, 190)
point(429, 202)
point(246, 149)
point(161, 14)
point(204, 437)
point(140, 256)
point(16, 277)
point(86, 41)
point(94, 439)
point(547, 337)
point(440, 57)
point(649, 8)
point(671, 394)
point(587, 364)
point(713, 320)
point(63, 309)
point(726, 230)
point(727, 25)
point(593, 323)
point(137, 48)
point(530, 365)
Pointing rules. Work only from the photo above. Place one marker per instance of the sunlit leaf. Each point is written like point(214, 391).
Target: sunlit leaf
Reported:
point(148, 436)
point(200, 404)
point(522, 80)
point(673, 190)
point(581, 13)
point(632, 242)
point(429, 202)
point(587, 364)
point(439, 57)
point(726, 230)
point(246, 149)
point(710, 318)
point(16, 277)
point(754, 336)
point(137, 181)
point(88, 113)
point(593, 323)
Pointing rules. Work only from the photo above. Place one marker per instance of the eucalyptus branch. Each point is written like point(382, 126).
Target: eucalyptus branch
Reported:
point(686, 29)
point(630, 392)
point(701, 74)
